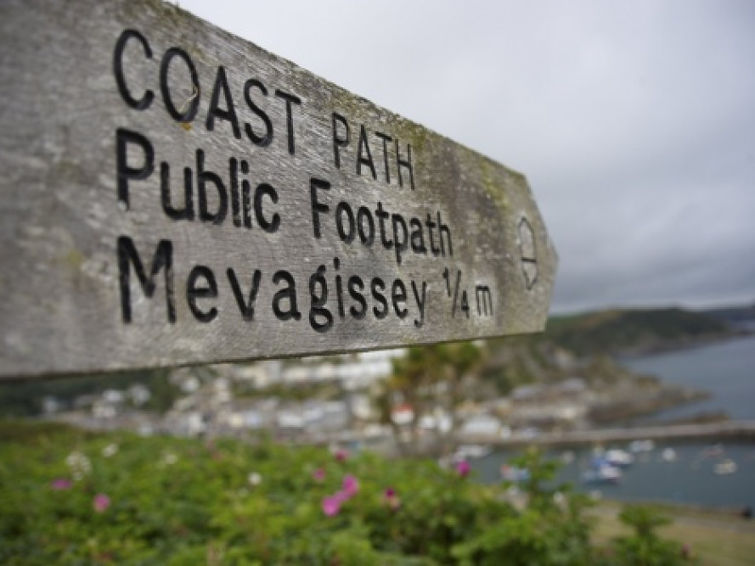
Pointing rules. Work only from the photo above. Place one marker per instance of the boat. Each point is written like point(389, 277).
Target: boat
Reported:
point(638, 446)
point(604, 473)
point(668, 455)
point(471, 451)
point(618, 458)
point(568, 456)
point(514, 474)
point(725, 467)
point(713, 451)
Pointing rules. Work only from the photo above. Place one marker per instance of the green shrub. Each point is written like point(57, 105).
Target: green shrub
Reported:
point(69, 497)
point(645, 547)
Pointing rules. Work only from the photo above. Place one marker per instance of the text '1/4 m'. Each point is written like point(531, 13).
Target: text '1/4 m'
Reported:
point(483, 295)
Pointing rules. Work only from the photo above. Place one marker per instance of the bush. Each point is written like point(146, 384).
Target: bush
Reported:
point(69, 497)
point(645, 547)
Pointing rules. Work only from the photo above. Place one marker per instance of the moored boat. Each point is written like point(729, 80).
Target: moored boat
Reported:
point(604, 473)
point(514, 474)
point(619, 458)
point(638, 446)
point(725, 467)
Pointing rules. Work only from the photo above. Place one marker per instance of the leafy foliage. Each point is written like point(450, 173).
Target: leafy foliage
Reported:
point(427, 378)
point(550, 530)
point(71, 497)
point(645, 547)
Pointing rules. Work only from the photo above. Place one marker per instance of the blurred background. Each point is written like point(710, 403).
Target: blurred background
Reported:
point(635, 126)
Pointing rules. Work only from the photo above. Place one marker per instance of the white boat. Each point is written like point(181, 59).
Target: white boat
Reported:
point(471, 451)
point(638, 446)
point(725, 467)
point(618, 458)
point(668, 455)
point(602, 474)
point(568, 456)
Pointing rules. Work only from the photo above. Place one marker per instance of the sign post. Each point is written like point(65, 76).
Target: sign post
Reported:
point(172, 194)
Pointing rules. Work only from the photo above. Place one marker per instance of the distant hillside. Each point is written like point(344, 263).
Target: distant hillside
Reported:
point(627, 331)
point(584, 344)
point(738, 316)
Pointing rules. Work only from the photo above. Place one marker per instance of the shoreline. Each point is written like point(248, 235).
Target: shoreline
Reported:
point(681, 345)
point(731, 513)
point(741, 430)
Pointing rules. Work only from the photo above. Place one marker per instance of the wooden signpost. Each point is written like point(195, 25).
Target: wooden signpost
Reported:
point(172, 194)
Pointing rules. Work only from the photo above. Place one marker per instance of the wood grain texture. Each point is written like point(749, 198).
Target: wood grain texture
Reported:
point(416, 227)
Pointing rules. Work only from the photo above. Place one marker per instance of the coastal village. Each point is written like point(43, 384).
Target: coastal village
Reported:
point(590, 411)
point(333, 400)
point(560, 390)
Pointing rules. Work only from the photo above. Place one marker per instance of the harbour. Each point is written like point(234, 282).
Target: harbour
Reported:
point(691, 473)
point(709, 464)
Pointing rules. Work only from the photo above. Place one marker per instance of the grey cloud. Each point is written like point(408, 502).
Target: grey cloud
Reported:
point(633, 121)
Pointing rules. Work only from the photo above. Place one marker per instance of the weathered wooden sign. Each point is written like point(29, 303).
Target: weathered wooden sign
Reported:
point(172, 194)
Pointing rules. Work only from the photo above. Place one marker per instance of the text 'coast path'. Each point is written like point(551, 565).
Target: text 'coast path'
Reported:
point(172, 194)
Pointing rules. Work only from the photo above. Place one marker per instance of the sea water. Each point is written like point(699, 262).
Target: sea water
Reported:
point(727, 371)
point(690, 477)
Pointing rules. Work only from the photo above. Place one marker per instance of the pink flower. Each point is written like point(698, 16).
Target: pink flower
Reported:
point(319, 475)
point(341, 496)
point(61, 484)
point(350, 486)
point(341, 454)
point(101, 502)
point(462, 468)
point(331, 505)
point(391, 499)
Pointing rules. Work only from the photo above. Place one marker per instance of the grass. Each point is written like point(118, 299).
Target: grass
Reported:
point(715, 538)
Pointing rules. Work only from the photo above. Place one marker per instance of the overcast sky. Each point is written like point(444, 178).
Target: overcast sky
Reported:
point(633, 121)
